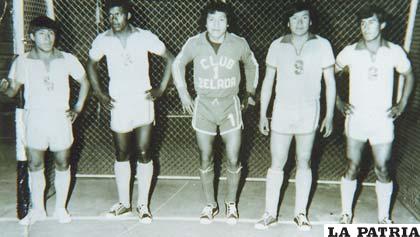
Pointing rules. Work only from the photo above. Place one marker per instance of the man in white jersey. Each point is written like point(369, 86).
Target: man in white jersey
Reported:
point(44, 72)
point(130, 99)
point(300, 59)
point(370, 112)
point(216, 54)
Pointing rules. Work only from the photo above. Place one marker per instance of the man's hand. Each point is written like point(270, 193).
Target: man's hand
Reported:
point(4, 84)
point(105, 100)
point(247, 101)
point(187, 102)
point(396, 110)
point(327, 126)
point(344, 107)
point(72, 115)
point(154, 94)
point(264, 126)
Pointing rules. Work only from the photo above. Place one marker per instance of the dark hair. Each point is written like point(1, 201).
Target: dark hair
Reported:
point(372, 10)
point(299, 6)
point(43, 22)
point(124, 4)
point(219, 6)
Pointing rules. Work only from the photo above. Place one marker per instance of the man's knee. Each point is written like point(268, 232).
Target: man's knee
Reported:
point(353, 169)
point(122, 154)
point(62, 165)
point(143, 156)
point(382, 173)
point(303, 160)
point(35, 164)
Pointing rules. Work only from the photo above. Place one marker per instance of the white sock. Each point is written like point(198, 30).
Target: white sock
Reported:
point(37, 188)
point(144, 179)
point(273, 184)
point(303, 188)
point(61, 184)
point(383, 194)
point(122, 177)
point(348, 188)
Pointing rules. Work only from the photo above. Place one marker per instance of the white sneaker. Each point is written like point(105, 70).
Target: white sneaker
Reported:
point(345, 219)
point(386, 221)
point(62, 215)
point(118, 210)
point(302, 222)
point(231, 213)
point(33, 216)
point(266, 221)
point(208, 213)
point(144, 214)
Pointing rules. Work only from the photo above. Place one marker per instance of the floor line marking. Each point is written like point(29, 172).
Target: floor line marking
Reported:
point(162, 218)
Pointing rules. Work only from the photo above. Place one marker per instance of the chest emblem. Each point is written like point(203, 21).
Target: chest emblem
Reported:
point(373, 73)
point(298, 67)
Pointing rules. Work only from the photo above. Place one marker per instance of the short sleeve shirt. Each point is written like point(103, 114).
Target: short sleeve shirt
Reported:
point(218, 74)
point(299, 74)
point(372, 79)
point(47, 88)
point(128, 67)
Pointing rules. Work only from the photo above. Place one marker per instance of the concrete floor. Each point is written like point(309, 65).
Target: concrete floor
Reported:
point(176, 205)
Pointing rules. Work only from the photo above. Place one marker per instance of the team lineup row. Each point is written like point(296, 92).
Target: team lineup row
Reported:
point(297, 62)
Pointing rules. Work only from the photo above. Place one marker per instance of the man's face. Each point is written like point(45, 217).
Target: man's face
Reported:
point(371, 28)
point(44, 39)
point(118, 18)
point(299, 23)
point(216, 24)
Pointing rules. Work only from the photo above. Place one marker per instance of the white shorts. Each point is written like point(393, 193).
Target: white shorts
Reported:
point(132, 112)
point(48, 129)
point(377, 129)
point(295, 120)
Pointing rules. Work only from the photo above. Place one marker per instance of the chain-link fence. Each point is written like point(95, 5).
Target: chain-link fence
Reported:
point(174, 146)
point(408, 140)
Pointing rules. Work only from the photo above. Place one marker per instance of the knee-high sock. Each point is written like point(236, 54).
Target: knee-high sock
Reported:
point(122, 177)
point(207, 180)
point(273, 184)
point(232, 180)
point(348, 188)
point(383, 194)
point(303, 188)
point(144, 179)
point(37, 188)
point(62, 184)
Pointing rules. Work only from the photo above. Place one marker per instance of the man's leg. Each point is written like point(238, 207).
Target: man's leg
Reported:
point(384, 184)
point(62, 184)
point(122, 171)
point(304, 144)
point(279, 148)
point(349, 180)
point(144, 171)
point(36, 186)
point(232, 142)
point(205, 145)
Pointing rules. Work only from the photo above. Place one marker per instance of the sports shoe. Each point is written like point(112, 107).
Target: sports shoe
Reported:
point(386, 220)
point(302, 222)
point(266, 221)
point(208, 213)
point(118, 210)
point(231, 213)
point(345, 219)
point(62, 215)
point(144, 214)
point(33, 216)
